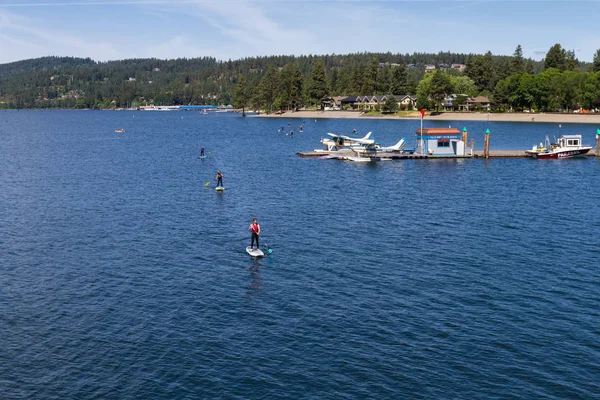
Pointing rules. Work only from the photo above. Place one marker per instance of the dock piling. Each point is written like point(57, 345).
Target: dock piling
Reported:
point(597, 142)
point(486, 144)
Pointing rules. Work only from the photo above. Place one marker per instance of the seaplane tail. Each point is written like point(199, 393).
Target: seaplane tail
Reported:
point(397, 147)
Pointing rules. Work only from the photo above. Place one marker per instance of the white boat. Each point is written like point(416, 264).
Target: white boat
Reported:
point(567, 146)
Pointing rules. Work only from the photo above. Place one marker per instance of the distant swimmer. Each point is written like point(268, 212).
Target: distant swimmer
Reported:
point(255, 228)
point(354, 131)
point(219, 179)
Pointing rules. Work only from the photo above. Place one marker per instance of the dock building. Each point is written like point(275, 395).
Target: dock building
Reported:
point(441, 142)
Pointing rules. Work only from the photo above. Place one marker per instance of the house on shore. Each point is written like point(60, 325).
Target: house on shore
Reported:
point(462, 102)
point(478, 103)
point(369, 103)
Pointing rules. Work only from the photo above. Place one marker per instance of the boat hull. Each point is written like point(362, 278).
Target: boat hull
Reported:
point(557, 155)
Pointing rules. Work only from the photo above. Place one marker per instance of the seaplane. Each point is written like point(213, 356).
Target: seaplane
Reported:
point(369, 151)
point(338, 142)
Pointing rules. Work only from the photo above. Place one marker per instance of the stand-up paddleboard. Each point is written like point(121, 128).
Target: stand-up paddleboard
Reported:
point(219, 188)
point(202, 157)
point(255, 252)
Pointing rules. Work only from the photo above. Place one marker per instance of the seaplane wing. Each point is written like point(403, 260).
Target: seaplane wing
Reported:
point(362, 141)
point(334, 135)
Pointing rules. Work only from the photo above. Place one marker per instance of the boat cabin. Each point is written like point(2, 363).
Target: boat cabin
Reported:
point(569, 141)
point(442, 142)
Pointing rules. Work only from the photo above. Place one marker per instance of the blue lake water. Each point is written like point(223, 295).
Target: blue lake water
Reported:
point(123, 276)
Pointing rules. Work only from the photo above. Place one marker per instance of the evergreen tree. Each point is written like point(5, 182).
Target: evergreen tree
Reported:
point(334, 82)
point(267, 89)
point(399, 80)
point(290, 87)
point(317, 86)
point(555, 58)
point(529, 67)
point(517, 64)
point(481, 70)
point(384, 79)
point(390, 105)
point(369, 85)
point(571, 62)
point(503, 69)
point(241, 95)
point(596, 62)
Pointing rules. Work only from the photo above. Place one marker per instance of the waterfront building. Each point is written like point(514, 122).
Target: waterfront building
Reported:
point(441, 142)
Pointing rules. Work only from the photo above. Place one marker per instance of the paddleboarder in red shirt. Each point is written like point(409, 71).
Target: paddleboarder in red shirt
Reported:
point(255, 228)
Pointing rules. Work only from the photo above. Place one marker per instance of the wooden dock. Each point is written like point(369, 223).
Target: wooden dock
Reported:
point(344, 155)
point(408, 156)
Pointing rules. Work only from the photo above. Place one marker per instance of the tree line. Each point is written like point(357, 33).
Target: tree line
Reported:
point(559, 82)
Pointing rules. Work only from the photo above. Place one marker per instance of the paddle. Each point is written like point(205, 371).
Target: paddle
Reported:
point(207, 183)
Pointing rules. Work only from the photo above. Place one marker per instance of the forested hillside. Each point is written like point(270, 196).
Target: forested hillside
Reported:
point(270, 83)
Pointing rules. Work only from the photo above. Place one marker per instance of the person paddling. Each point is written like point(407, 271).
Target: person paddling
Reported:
point(202, 152)
point(219, 179)
point(255, 228)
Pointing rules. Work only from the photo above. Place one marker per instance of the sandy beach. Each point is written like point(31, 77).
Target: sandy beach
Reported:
point(452, 116)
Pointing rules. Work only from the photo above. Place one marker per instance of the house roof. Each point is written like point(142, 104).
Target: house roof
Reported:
point(479, 99)
point(401, 97)
point(439, 132)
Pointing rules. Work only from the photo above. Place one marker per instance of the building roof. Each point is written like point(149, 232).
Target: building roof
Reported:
point(401, 97)
point(439, 132)
point(479, 99)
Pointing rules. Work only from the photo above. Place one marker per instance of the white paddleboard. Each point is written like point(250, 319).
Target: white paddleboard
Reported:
point(255, 252)
point(219, 188)
point(202, 157)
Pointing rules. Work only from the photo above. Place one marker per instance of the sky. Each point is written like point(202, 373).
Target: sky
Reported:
point(231, 29)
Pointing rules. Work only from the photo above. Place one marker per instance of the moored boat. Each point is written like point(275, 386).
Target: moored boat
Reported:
point(567, 146)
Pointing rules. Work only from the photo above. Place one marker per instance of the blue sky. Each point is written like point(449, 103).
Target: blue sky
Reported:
point(116, 29)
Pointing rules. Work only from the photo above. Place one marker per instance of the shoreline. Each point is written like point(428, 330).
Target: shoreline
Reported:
point(448, 116)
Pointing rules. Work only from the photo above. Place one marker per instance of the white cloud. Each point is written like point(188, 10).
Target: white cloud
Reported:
point(23, 40)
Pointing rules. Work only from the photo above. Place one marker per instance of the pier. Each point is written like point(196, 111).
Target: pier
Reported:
point(409, 156)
